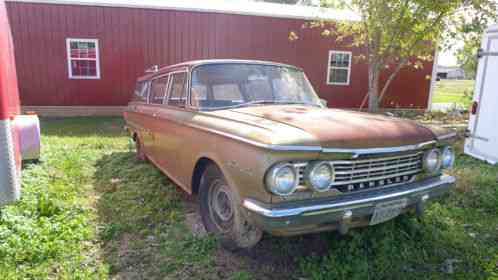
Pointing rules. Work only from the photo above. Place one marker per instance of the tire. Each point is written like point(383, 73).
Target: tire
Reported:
point(221, 213)
point(140, 153)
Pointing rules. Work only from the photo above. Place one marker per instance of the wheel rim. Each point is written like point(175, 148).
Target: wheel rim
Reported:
point(221, 205)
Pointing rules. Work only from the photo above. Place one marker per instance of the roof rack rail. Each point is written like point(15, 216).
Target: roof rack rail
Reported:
point(152, 69)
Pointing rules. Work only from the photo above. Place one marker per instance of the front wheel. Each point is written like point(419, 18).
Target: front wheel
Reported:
point(221, 213)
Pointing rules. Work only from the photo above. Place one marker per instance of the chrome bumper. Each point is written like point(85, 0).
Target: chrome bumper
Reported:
point(341, 212)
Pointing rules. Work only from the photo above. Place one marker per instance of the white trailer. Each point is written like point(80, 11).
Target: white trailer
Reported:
point(482, 132)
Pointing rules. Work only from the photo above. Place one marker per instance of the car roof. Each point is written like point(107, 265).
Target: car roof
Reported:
point(187, 65)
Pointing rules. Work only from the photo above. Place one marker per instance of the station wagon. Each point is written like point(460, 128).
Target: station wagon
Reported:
point(262, 153)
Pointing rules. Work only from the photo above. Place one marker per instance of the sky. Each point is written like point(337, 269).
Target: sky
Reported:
point(447, 58)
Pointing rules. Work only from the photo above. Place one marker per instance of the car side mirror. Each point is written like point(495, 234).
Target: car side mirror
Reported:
point(323, 102)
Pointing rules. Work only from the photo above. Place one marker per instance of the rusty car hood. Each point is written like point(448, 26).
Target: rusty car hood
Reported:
point(334, 128)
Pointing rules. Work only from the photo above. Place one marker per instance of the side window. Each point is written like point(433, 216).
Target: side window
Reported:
point(141, 92)
point(339, 68)
point(178, 89)
point(158, 90)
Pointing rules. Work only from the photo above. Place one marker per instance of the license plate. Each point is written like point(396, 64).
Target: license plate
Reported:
point(387, 210)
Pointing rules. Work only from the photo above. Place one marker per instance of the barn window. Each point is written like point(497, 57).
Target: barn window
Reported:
point(339, 68)
point(83, 58)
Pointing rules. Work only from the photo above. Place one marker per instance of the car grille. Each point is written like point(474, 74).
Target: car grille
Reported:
point(360, 174)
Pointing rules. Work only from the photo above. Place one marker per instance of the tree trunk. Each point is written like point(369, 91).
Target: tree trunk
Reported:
point(373, 87)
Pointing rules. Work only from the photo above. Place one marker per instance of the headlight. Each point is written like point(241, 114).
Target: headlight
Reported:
point(320, 176)
point(448, 157)
point(432, 161)
point(282, 179)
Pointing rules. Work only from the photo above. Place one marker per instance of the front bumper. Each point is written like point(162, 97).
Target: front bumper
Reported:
point(342, 212)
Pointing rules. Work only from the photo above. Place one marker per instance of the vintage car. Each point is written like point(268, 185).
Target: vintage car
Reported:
point(263, 154)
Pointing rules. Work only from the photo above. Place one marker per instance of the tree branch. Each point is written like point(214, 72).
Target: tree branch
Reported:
point(398, 68)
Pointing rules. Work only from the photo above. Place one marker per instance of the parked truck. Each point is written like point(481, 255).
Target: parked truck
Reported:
point(19, 134)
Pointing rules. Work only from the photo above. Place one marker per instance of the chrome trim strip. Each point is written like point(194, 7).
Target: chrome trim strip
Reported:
point(447, 136)
point(382, 168)
point(254, 206)
point(410, 172)
point(377, 160)
point(379, 150)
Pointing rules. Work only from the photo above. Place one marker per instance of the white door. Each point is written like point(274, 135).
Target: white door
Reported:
point(482, 141)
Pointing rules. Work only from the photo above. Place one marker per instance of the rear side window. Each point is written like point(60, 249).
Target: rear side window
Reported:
point(141, 92)
point(178, 89)
point(158, 90)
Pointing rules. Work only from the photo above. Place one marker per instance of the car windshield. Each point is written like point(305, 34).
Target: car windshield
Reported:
point(218, 86)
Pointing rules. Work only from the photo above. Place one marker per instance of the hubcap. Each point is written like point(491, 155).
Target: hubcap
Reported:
point(221, 205)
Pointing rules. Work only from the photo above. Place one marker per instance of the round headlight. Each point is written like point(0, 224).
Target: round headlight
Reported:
point(432, 161)
point(282, 179)
point(320, 176)
point(448, 157)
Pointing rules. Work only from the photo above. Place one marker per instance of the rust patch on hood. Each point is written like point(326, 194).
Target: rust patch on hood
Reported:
point(335, 128)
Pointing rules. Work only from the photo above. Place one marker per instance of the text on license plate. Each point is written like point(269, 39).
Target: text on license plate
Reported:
point(387, 210)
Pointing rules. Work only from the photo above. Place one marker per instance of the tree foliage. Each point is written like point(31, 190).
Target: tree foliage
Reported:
point(399, 33)
point(470, 33)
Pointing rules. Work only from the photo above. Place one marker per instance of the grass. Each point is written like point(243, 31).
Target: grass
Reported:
point(454, 91)
point(90, 211)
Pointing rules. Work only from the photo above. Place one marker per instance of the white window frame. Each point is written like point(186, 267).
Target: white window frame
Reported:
point(96, 59)
point(331, 52)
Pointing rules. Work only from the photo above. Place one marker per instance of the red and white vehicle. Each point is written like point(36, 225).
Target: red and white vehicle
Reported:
point(19, 134)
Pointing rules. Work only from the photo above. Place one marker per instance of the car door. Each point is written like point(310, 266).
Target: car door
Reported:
point(173, 132)
point(136, 114)
point(158, 90)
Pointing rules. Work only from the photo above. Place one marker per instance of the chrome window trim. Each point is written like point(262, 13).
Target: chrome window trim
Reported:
point(150, 87)
point(170, 81)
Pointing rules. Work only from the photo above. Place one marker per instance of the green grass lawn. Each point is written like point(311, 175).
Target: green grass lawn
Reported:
point(454, 91)
point(90, 211)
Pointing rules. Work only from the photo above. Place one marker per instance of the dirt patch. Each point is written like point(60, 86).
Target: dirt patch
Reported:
point(271, 258)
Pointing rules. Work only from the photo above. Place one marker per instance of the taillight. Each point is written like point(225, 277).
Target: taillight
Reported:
point(473, 110)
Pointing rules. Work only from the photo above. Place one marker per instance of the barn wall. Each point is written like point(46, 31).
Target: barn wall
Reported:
point(134, 39)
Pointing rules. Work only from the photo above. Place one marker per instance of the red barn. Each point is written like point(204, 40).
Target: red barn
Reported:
point(77, 57)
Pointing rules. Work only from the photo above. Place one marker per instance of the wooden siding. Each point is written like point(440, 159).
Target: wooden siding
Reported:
point(132, 39)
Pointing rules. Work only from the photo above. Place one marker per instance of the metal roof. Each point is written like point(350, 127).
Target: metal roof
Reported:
point(239, 7)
